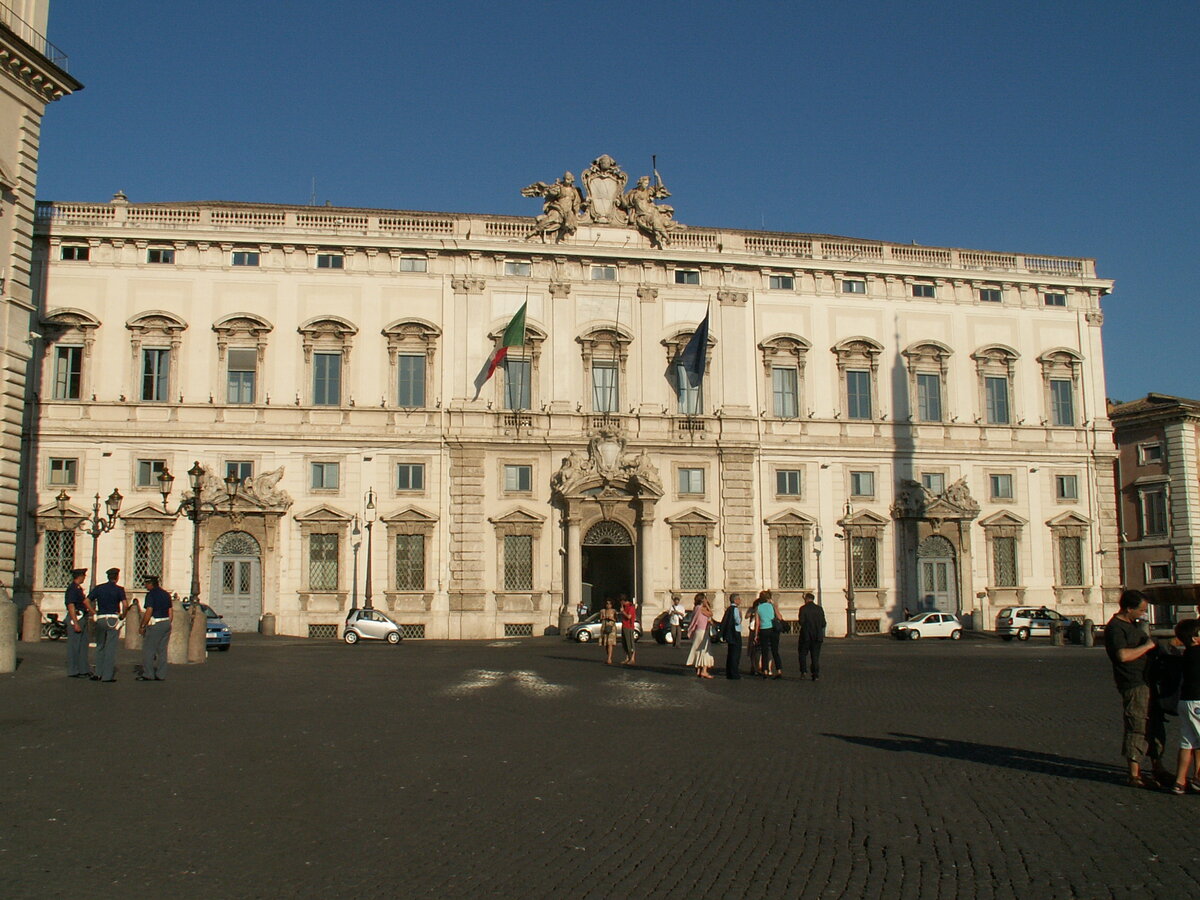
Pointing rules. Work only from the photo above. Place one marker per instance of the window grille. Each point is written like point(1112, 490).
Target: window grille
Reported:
point(518, 629)
point(410, 562)
point(791, 561)
point(147, 555)
point(323, 562)
point(518, 562)
point(1004, 559)
point(413, 632)
point(59, 558)
point(1070, 557)
point(866, 626)
point(866, 565)
point(693, 562)
point(323, 631)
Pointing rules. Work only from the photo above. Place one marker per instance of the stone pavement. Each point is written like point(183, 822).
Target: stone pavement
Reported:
point(527, 768)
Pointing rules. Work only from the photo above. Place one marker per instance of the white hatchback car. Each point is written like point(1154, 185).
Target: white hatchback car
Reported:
point(370, 625)
point(930, 624)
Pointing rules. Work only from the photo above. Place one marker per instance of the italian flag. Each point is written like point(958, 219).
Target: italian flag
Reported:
point(514, 336)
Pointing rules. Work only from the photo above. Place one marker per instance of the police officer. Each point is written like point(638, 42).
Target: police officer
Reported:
point(109, 603)
point(78, 610)
point(156, 626)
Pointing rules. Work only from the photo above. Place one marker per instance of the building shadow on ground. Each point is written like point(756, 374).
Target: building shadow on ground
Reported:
point(989, 754)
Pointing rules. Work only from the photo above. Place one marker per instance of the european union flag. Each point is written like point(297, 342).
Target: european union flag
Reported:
point(695, 353)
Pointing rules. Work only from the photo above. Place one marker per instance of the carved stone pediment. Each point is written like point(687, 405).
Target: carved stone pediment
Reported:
point(258, 492)
point(606, 468)
point(915, 501)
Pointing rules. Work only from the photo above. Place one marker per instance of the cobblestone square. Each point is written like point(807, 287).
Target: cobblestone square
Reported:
point(528, 768)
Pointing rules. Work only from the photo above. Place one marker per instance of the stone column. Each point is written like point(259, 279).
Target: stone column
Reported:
point(573, 589)
point(196, 649)
point(133, 622)
point(177, 644)
point(31, 624)
point(645, 552)
point(8, 633)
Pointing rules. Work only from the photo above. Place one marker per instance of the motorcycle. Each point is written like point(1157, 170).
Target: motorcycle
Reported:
point(54, 630)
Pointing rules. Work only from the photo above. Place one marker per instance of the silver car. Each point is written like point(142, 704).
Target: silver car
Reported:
point(370, 625)
point(589, 629)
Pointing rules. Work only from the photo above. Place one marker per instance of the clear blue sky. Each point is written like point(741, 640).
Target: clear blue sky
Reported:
point(1069, 128)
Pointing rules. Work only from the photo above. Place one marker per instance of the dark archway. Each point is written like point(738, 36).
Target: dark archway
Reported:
point(608, 563)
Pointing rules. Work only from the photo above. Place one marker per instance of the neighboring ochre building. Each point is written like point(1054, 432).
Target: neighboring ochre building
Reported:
point(939, 411)
point(32, 74)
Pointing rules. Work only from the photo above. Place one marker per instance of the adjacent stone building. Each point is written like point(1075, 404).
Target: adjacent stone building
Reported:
point(892, 426)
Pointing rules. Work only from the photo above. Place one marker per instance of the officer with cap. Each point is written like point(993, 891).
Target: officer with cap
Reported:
point(78, 610)
point(109, 602)
point(156, 626)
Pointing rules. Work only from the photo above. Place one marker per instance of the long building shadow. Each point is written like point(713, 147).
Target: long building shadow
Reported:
point(989, 754)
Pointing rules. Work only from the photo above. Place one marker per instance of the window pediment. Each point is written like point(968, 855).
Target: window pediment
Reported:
point(410, 515)
point(68, 319)
point(518, 517)
point(323, 515)
point(156, 322)
point(1004, 519)
point(693, 516)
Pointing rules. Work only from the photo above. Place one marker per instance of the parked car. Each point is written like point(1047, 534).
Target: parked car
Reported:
point(1021, 622)
point(217, 635)
point(370, 625)
point(661, 629)
point(930, 624)
point(589, 629)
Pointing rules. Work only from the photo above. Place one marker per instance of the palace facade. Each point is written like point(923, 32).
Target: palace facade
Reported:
point(891, 426)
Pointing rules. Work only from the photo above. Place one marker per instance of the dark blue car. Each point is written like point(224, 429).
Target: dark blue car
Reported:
point(217, 635)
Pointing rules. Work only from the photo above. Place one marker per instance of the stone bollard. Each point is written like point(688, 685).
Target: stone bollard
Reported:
point(1058, 635)
point(177, 645)
point(133, 627)
point(31, 624)
point(196, 650)
point(1089, 633)
point(268, 624)
point(8, 633)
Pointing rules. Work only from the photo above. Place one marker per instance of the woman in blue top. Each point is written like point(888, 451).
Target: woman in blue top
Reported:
point(769, 622)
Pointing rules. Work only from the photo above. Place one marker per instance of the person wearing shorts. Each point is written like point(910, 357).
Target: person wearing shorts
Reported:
point(1188, 634)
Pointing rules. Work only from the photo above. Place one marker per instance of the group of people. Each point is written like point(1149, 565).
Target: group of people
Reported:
point(625, 611)
point(104, 608)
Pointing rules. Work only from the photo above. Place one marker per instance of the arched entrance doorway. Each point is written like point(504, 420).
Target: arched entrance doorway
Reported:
point(236, 585)
point(608, 563)
point(936, 575)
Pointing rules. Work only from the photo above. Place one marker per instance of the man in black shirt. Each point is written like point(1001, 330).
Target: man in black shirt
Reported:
point(812, 635)
point(1129, 649)
point(78, 610)
point(109, 602)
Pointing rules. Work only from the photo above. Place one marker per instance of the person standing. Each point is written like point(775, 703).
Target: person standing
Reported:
point(731, 631)
point(156, 627)
point(755, 643)
point(608, 630)
point(1187, 633)
point(768, 636)
point(1129, 650)
point(582, 610)
point(109, 602)
point(78, 610)
point(675, 619)
point(629, 630)
point(812, 635)
point(700, 656)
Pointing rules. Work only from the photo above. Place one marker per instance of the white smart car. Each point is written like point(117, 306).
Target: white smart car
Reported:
point(930, 624)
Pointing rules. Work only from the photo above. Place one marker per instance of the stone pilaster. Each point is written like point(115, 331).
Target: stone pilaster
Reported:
point(737, 515)
point(467, 558)
point(1185, 496)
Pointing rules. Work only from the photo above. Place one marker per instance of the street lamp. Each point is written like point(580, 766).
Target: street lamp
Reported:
point(355, 543)
point(369, 518)
point(193, 508)
point(817, 554)
point(97, 524)
point(851, 611)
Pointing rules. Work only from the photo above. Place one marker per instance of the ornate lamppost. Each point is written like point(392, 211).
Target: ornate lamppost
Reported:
point(193, 508)
point(369, 518)
point(817, 554)
point(97, 524)
point(355, 543)
point(848, 534)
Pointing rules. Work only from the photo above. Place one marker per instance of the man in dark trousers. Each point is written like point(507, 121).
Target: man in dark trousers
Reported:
point(1130, 650)
point(78, 611)
point(108, 600)
point(812, 634)
point(731, 633)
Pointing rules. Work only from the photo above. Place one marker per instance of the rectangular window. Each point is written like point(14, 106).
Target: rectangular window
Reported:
point(790, 550)
point(605, 397)
point(604, 273)
point(1001, 486)
point(854, 286)
point(1054, 299)
point(410, 476)
point(75, 253)
point(785, 382)
point(64, 471)
point(1149, 453)
point(160, 256)
point(58, 558)
point(410, 562)
point(518, 562)
point(517, 388)
point(239, 468)
point(1154, 511)
point(862, 484)
point(327, 379)
point(1066, 487)
point(245, 258)
point(68, 373)
point(687, 276)
point(1004, 562)
point(1070, 560)
point(330, 261)
point(323, 562)
point(410, 380)
point(691, 481)
point(787, 482)
point(148, 471)
point(995, 390)
point(929, 397)
point(518, 479)
point(147, 555)
point(781, 282)
point(858, 394)
point(693, 562)
point(1062, 402)
point(934, 482)
point(413, 264)
point(242, 369)
point(923, 289)
point(324, 476)
point(990, 295)
point(690, 396)
point(517, 268)
point(156, 373)
point(865, 553)
point(1158, 572)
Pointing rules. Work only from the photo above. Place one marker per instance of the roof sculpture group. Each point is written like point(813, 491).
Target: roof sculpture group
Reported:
point(607, 203)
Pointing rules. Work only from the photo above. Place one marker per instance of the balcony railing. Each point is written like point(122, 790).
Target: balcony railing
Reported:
point(29, 35)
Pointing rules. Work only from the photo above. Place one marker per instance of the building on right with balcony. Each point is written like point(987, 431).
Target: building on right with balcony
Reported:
point(1158, 501)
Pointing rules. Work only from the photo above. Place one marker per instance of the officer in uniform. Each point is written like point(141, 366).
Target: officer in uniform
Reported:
point(109, 602)
point(156, 626)
point(78, 610)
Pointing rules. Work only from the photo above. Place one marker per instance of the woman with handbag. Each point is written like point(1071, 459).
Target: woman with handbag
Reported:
point(608, 631)
point(700, 656)
point(770, 625)
point(755, 644)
